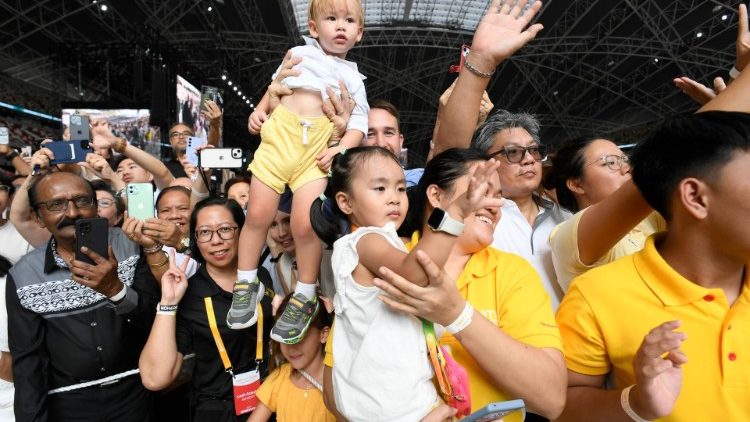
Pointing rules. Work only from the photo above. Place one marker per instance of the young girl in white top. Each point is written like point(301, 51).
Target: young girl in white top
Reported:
point(381, 368)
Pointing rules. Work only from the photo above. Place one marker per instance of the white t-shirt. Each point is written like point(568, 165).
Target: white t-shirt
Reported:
point(319, 71)
point(515, 235)
point(12, 246)
point(382, 370)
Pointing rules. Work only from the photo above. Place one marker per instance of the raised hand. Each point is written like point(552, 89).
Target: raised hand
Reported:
point(658, 371)
point(742, 46)
point(501, 31)
point(133, 228)
point(700, 93)
point(211, 111)
point(174, 281)
point(479, 194)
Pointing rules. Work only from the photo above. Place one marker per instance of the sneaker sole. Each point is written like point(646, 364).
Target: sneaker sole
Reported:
point(296, 339)
point(239, 324)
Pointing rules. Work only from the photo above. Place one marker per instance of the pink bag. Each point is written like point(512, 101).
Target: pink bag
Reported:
point(452, 377)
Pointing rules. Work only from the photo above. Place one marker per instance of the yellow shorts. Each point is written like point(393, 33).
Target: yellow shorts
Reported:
point(289, 144)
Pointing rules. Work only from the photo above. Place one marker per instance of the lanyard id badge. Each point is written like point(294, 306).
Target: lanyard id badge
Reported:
point(246, 384)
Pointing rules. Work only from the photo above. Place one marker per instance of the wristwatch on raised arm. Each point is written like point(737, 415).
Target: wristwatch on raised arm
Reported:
point(440, 221)
point(184, 245)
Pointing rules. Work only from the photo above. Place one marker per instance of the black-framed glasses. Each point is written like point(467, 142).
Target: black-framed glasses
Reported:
point(225, 233)
point(57, 205)
point(613, 162)
point(4, 188)
point(184, 133)
point(105, 202)
point(514, 154)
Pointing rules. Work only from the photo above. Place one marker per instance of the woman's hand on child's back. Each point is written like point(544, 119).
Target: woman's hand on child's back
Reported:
point(484, 183)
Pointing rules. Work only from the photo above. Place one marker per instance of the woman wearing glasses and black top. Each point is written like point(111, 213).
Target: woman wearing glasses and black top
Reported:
point(214, 233)
point(592, 178)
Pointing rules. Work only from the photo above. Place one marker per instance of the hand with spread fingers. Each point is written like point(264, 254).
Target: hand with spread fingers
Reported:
point(163, 231)
point(439, 301)
point(502, 31)
point(102, 276)
point(658, 371)
point(174, 281)
point(700, 93)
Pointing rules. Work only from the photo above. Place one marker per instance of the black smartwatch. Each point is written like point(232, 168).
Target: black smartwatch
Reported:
point(13, 154)
point(440, 221)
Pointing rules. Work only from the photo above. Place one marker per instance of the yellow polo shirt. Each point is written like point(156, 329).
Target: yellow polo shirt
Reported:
point(506, 289)
point(607, 312)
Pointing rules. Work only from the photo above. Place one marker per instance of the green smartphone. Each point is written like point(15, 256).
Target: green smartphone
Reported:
point(140, 200)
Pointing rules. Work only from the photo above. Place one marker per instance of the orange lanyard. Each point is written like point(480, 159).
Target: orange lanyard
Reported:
point(220, 343)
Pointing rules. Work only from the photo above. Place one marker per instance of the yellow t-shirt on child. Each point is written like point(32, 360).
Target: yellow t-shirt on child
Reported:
point(292, 403)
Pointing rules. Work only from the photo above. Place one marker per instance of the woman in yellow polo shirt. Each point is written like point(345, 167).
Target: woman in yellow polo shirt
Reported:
point(511, 346)
point(592, 179)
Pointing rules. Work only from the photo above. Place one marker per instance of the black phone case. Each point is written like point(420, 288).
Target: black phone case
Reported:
point(92, 233)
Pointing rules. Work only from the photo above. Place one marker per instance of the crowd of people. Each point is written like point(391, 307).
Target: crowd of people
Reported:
point(332, 284)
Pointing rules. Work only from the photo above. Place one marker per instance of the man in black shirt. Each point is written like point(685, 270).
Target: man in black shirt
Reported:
point(76, 330)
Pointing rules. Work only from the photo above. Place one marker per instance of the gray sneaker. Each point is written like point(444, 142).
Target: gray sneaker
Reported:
point(294, 322)
point(244, 301)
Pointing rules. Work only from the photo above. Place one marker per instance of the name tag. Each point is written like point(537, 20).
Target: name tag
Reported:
point(245, 385)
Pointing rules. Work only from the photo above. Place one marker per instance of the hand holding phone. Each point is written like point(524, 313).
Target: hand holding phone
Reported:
point(221, 158)
point(496, 410)
point(140, 200)
point(93, 233)
point(68, 151)
point(79, 128)
point(190, 152)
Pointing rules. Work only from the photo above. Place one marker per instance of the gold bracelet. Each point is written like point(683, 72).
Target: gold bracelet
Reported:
point(159, 264)
point(120, 145)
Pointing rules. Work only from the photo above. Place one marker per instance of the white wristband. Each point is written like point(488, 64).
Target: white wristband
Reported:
point(625, 402)
point(462, 321)
point(734, 73)
point(121, 294)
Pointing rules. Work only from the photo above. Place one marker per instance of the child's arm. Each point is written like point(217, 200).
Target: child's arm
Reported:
point(375, 251)
point(260, 414)
point(351, 139)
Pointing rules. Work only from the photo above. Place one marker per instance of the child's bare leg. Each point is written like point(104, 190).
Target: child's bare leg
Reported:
point(248, 290)
point(303, 307)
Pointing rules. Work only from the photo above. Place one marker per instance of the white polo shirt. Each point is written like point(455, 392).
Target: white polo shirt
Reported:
point(514, 234)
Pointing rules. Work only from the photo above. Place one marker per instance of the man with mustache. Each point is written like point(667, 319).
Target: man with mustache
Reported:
point(76, 330)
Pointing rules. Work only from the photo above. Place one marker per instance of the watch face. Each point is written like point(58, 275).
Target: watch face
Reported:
point(436, 217)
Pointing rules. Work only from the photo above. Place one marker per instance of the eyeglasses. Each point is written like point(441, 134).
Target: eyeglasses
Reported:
point(225, 233)
point(4, 188)
point(515, 154)
point(57, 205)
point(183, 134)
point(105, 202)
point(613, 162)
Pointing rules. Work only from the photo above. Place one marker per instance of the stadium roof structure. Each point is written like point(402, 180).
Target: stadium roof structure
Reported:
point(603, 66)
